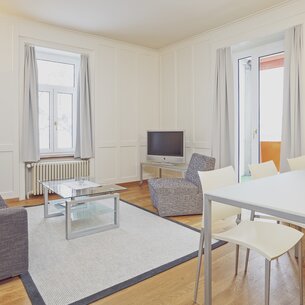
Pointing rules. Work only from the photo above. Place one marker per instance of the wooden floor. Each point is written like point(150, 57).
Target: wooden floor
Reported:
point(175, 286)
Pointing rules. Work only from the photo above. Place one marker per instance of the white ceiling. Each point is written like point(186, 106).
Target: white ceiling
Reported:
point(151, 23)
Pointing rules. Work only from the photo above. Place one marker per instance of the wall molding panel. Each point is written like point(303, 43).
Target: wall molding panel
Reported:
point(185, 88)
point(131, 93)
point(6, 148)
point(7, 173)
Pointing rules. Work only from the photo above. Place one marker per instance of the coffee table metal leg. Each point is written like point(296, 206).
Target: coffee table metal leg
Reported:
point(83, 232)
point(68, 220)
point(46, 205)
point(116, 209)
point(46, 202)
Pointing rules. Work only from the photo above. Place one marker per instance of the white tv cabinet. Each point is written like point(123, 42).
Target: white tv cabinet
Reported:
point(173, 167)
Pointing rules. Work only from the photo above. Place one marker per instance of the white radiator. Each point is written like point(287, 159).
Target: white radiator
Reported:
point(56, 170)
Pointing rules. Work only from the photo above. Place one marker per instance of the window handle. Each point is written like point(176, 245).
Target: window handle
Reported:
point(55, 124)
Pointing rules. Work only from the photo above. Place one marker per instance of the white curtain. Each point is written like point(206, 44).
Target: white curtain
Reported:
point(293, 134)
point(30, 131)
point(223, 110)
point(84, 137)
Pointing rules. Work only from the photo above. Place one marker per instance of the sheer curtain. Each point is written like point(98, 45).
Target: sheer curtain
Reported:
point(293, 134)
point(30, 131)
point(223, 110)
point(84, 137)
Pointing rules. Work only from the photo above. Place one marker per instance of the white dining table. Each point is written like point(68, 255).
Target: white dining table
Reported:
point(282, 196)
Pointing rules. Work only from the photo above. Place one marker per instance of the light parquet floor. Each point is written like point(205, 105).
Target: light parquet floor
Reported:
point(175, 286)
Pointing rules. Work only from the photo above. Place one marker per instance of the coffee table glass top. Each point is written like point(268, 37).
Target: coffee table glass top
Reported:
point(84, 186)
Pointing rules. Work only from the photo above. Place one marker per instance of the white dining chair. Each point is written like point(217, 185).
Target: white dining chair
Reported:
point(261, 170)
point(297, 163)
point(264, 169)
point(268, 239)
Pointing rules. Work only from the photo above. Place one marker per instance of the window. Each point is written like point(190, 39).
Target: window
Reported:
point(57, 81)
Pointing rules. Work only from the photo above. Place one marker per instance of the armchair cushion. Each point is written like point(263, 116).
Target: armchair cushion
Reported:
point(177, 185)
point(198, 163)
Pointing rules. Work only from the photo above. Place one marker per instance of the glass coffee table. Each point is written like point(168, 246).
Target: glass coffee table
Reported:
point(89, 207)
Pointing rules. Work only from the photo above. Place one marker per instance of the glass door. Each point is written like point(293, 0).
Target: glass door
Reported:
point(271, 79)
point(247, 120)
point(260, 102)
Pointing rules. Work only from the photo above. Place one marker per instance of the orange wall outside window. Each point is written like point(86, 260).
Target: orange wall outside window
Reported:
point(271, 151)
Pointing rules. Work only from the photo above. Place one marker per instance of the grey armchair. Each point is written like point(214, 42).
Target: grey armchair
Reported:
point(13, 241)
point(181, 196)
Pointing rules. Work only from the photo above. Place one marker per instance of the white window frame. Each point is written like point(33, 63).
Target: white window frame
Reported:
point(48, 55)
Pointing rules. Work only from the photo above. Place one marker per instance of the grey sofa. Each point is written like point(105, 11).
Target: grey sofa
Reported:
point(13, 241)
point(181, 196)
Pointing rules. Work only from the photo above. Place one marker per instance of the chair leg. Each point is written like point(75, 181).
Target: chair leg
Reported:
point(300, 261)
point(247, 260)
point(200, 252)
point(296, 251)
point(267, 281)
point(238, 219)
point(296, 247)
point(252, 216)
point(236, 259)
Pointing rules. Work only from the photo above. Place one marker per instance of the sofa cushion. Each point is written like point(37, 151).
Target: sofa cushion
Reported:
point(14, 247)
point(2, 203)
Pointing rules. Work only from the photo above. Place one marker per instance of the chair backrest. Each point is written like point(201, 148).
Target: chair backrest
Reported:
point(215, 179)
point(262, 170)
point(297, 163)
point(198, 163)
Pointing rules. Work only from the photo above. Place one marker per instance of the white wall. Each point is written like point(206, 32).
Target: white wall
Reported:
point(125, 81)
point(187, 70)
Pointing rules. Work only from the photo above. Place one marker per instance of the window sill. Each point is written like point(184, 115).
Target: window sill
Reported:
point(57, 156)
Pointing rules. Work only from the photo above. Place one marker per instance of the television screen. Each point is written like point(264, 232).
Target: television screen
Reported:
point(165, 143)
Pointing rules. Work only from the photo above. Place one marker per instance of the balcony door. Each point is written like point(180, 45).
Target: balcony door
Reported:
point(259, 90)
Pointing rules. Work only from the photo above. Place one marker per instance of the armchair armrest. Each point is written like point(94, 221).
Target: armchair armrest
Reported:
point(13, 242)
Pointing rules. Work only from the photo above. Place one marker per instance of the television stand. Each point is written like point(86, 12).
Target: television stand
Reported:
point(172, 167)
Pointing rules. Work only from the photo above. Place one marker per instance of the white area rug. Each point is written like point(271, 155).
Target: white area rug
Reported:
point(91, 267)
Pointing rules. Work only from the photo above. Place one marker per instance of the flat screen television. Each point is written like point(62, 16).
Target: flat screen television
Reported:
point(166, 146)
